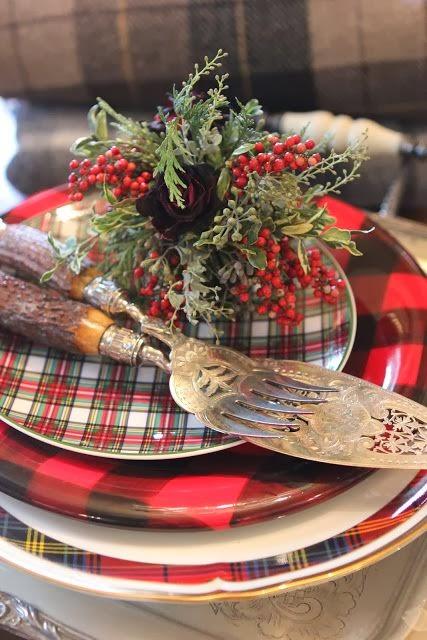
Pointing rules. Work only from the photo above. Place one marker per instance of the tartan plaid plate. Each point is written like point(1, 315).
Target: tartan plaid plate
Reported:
point(381, 532)
point(105, 409)
point(390, 292)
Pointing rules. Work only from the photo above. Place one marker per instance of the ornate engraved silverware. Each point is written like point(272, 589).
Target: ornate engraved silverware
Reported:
point(29, 622)
point(291, 407)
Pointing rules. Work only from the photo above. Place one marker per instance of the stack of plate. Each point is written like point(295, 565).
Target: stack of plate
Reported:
point(162, 507)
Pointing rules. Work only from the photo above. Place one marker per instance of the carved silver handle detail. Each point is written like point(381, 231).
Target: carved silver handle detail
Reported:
point(29, 622)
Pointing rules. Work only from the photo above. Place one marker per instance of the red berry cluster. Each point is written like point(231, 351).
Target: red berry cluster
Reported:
point(125, 178)
point(159, 305)
point(275, 286)
point(274, 156)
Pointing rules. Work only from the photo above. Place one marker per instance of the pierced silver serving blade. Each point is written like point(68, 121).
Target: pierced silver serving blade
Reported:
point(359, 425)
point(353, 422)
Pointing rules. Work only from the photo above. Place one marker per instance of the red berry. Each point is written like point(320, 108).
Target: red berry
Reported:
point(261, 242)
point(261, 157)
point(121, 165)
point(253, 164)
point(273, 139)
point(101, 160)
point(241, 182)
point(100, 178)
point(262, 309)
point(278, 165)
point(83, 185)
point(265, 233)
point(147, 176)
point(91, 179)
point(277, 283)
point(72, 177)
point(154, 254)
point(243, 160)
point(288, 157)
point(312, 161)
point(237, 172)
point(78, 196)
point(259, 147)
point(117, 192)
point(301, 148)
point(278, 148)
point(244, 297)
point(73, 164)
point(131, 168)
point(300, 161)
point(266, 291)
point(115, 151)
point(296, 139)
point(110, 169)
point(310, 144)
point(86, 163)
point(138, 273)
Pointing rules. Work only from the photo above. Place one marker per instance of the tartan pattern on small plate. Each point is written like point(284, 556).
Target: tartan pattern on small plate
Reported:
point(399, 510)
point(102, 408)
point(148, 494)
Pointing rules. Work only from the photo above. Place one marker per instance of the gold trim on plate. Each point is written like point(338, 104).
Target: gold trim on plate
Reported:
point(297, 583)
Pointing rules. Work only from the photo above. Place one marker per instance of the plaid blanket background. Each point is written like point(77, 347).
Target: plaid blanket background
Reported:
point(360, 57)
point(355, 56)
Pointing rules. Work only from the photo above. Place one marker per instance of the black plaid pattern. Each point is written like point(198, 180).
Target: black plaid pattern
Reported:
point(351, 55)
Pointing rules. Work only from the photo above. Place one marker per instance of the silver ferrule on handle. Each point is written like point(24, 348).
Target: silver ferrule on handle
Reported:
point(130, 348)
point(105, 295)
point(122, 345)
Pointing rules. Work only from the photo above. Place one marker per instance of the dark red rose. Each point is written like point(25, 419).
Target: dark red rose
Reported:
point(201, 203)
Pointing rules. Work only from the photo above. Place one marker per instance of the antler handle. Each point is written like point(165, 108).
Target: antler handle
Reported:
point(46, 317)
point(35, 257)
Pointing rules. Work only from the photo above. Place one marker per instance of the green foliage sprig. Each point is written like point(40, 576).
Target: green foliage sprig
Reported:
point(197, 271)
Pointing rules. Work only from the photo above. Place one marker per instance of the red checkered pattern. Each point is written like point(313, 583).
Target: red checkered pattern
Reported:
point(402, 507)
point(119, 492)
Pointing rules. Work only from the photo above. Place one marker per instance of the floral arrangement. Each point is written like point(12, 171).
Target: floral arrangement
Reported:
point(208, 213)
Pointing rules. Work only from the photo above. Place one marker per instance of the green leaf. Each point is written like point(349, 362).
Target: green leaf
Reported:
point(101, 130)
point(176, 299)
point(352, 248)
point(97, 120)
point(302, 255)
point(336, 235)
point(253, 232)
point(47, 275)
point(340, 238)
point(224, 181)
point(257, 257)
point(108, 194)
point(299, 229)
point(248, 146)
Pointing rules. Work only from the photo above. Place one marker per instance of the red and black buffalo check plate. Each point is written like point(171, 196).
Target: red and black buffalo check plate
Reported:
point(101, 408)
point(390, 292)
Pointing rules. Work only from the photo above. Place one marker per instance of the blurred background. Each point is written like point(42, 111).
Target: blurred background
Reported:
point(365, 58)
